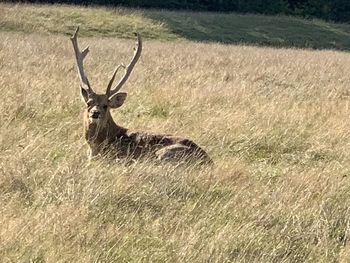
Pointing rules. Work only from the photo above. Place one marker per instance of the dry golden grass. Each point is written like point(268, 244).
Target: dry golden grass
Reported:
point(276, 123)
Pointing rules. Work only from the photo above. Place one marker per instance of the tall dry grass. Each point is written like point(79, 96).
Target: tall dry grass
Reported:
point(276, 123)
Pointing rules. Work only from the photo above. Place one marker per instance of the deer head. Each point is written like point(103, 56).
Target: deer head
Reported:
point(98, 105)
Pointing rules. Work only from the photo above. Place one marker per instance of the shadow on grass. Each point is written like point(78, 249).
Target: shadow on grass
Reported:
point(276, 31)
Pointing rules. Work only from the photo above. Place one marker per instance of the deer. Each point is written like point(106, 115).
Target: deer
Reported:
point(108, 139)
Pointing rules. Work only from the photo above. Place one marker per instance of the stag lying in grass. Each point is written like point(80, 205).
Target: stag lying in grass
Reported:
point(106, 138)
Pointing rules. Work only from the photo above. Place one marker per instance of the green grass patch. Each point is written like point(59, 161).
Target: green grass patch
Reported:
point(278, 31)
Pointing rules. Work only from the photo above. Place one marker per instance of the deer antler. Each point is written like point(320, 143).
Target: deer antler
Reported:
point(80, 58)
point(128, 69)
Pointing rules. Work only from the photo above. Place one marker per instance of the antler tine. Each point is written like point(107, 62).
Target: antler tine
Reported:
point(80, 58)
point(128, 68)
point(112, 79)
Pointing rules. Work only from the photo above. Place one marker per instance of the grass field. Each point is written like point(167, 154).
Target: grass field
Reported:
point(276, 31)
point(275, 121)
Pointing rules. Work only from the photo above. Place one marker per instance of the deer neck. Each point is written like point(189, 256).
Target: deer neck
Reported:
point(105, 132)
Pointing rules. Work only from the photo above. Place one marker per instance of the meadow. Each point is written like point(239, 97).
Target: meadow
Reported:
point(274, 120)
point(256, 30)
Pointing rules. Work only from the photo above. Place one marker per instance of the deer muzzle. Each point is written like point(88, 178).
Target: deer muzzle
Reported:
point(95, 114)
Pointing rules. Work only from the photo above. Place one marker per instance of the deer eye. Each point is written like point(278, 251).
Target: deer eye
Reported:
point(105, 107)
point(89, 103)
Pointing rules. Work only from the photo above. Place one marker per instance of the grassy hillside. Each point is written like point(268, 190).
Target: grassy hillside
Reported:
point(164, 25)
point(275, 121)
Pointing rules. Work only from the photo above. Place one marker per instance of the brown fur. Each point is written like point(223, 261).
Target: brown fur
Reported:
point(106, 138)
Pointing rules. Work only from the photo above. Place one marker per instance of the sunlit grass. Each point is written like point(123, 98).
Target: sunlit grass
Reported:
point(275, 122)
point(277, 31)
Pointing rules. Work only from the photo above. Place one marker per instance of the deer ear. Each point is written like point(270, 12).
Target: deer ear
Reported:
point(117, 99)
point(84, 94)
